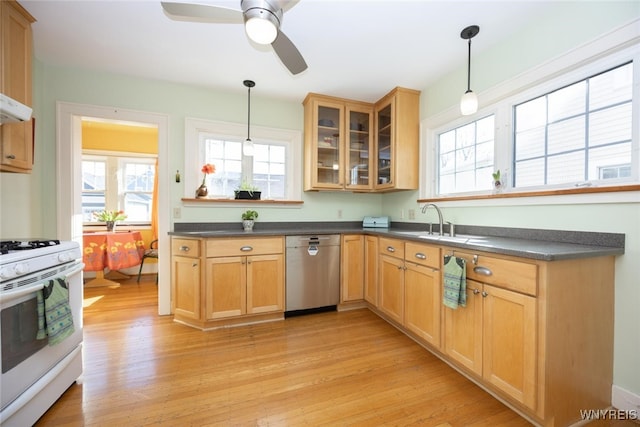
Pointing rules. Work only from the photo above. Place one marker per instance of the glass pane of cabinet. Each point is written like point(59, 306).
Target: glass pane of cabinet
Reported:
point(328, 145)
point(384, 146)
point(359, 140)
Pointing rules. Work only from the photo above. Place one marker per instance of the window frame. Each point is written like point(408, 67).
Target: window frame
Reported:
point(115, 161)
point(237, 131)
point(502, 99)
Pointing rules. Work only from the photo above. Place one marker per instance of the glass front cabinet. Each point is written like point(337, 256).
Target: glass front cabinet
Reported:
point(338, 144)
point(358, 146)
point(397, 118)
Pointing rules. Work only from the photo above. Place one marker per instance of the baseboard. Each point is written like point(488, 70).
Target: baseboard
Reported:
point(625, 400)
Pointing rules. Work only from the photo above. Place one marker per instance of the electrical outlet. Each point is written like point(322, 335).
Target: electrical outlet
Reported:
point(177, 212)
point(339, 213)
point(412, 214)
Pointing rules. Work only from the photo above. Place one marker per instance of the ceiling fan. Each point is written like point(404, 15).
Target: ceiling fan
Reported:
point(262, 20)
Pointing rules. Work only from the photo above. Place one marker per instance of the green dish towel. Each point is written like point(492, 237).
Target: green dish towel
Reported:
point(455, 282)
point(55, 318)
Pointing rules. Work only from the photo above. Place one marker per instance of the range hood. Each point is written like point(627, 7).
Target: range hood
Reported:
point(13, 111)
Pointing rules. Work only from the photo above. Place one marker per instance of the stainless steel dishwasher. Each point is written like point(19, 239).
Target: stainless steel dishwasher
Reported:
point(312, 273)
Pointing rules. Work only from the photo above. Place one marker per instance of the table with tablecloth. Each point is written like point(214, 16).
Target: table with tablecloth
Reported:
point(111, 250)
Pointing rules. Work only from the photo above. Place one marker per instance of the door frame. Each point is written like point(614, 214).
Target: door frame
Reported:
point(69, 177)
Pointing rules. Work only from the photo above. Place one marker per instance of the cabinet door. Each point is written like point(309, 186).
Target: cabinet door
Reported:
point(225, 287)
point(324, 145)
point(186, 283)
point(265, 283)
point(422, 302)
point(352, 268)
point(463, 330)
point(371, 270)
point(359, 159)
point(384, 146)
point(509, 359)
point(16, 147)
point(392, 287)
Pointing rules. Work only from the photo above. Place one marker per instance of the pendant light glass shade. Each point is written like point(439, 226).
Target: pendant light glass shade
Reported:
point(247, 145)
point(469, 101)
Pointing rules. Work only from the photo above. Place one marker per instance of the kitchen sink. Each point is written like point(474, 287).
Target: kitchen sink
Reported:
point(461, 238)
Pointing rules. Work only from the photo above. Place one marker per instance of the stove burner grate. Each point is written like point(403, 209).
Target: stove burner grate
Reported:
point(17, 245)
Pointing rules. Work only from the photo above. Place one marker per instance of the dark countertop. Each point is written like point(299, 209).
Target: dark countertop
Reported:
point(546, 245)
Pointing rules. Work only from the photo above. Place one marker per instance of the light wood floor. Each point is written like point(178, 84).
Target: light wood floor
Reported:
point(348, 368)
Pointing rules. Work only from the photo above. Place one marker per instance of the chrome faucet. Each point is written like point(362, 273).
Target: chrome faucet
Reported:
point(424, 210)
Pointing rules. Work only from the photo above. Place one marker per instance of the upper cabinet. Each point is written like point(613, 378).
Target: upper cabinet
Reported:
point(397, 140)
point(355, 146)
point(338, 144)
point(16, 39)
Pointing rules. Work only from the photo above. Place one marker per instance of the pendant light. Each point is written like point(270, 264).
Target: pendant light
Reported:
point(469, 101)
point(247, 146)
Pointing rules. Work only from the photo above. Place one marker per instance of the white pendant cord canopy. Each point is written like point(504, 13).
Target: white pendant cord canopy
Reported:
point(469, 101)
point(247, 146)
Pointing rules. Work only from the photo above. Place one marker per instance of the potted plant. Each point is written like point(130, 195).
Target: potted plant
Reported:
point(248, 219)
point(498, 184)
point(110, 218)
point(247, 191)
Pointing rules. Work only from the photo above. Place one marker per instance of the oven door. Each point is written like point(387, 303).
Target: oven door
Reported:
point(25, 359)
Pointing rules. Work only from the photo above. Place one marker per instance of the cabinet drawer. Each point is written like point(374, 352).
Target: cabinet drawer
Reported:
point(392, 247)
point(185, 247)
point(422, 254)
point(517, 276)
point(244, 246)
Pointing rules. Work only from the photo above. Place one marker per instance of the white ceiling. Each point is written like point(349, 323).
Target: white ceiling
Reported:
point(357, 49)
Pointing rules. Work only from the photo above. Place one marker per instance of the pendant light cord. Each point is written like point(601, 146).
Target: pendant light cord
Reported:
point(249, 113)
point(469, 68)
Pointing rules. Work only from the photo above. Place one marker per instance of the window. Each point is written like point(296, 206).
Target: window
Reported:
point(578, 133)
point(117, 183)
point(577, 128)
point(271, 168)
point(466, 156)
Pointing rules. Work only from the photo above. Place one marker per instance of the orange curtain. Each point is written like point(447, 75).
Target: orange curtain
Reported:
point(154, 205)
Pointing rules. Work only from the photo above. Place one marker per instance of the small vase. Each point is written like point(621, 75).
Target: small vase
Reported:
point(202, 192)
point(247, 224)
point(111, 226)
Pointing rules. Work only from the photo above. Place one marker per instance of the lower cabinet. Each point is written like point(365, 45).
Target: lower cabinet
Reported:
point(410, 287)
point(241, 278)
point(371, 270)
point(494, 336)
point(243, 285)
point(186, 278)
point(352, 268)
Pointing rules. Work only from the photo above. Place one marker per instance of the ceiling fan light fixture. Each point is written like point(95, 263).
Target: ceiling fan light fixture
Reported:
point(469, 101)
point(261, 25)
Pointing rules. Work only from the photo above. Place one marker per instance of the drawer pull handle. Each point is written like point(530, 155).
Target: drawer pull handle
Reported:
point(11, 157)
point(195, 264)
point(484, 294)
point(421, 256)
point(476, 291)
point(246, 249)
point(482, 270)
point(391, 249)
point(185, 248)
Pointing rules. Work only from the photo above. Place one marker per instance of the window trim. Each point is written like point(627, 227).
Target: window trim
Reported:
point(612, 49)
point(192, 175)
point(117, 158)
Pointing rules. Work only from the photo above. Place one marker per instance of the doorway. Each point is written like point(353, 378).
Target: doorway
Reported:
point(69, 177)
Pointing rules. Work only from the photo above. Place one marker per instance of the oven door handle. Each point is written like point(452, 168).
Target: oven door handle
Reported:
point(39, 286)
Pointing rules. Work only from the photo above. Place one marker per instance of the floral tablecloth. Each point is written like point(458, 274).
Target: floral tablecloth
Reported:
point(112, 250)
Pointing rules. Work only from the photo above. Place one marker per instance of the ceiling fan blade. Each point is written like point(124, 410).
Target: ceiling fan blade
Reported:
point(288, 54)
point(202, 13)
point(288, 4)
